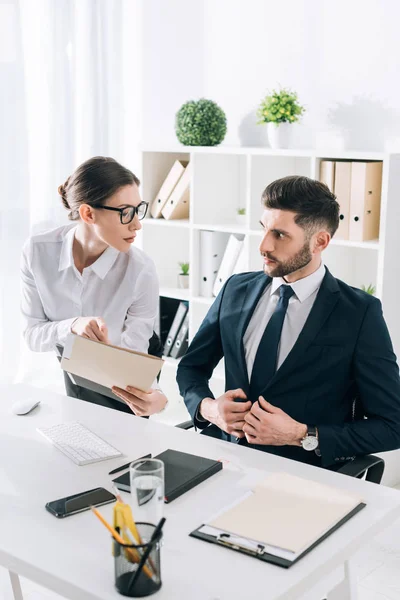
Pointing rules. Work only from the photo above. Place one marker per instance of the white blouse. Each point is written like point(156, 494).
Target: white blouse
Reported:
point(122, 288)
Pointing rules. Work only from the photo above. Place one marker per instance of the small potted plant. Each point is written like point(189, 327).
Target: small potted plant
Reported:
point(183, 277)
point(279, 110)
point(370, 289)
point(241, 216)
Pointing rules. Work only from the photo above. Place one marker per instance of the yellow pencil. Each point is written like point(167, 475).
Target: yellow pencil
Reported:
point(131, 551)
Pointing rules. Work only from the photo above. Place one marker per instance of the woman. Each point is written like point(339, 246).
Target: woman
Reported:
point(90, 280)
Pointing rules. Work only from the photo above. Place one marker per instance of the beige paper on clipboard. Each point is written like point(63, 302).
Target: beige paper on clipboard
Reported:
point(109, 365)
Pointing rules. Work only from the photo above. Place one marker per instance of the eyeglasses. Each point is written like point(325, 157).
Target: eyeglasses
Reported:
point(127, 214)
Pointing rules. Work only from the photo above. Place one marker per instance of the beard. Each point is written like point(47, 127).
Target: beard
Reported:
point(297, 262)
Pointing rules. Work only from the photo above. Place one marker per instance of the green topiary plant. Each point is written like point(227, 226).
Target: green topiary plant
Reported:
point(280, 107)
point(200, 123)
point(241, 211)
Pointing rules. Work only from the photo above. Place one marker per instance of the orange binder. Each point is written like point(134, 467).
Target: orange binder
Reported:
point(365, 201)
point(342, 190)
point(177, 205)
point(170, 182)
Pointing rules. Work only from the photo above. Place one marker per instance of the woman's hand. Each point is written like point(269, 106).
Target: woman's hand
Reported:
point(142, 404)
point(94, 328)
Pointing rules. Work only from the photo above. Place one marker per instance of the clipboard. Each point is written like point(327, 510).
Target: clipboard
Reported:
point(258, 550)
point(281, 519)
point(108, 365)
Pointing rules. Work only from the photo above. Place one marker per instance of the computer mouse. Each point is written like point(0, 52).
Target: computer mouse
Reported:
point(24, 406)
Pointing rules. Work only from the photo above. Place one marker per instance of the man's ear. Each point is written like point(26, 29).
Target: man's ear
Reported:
point(86, 213)
point(321, 241)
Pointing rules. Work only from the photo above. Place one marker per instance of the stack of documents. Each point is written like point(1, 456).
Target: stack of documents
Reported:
point(281, 519)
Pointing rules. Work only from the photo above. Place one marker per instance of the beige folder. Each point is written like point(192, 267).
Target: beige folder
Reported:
point(170, 182)
point(177, 205)
point(342, 189)
point(109, 365)
point(365, 201)
point(287, 512)
point(327, 173)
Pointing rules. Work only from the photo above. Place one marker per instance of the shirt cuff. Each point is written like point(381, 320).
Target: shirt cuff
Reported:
point(63, 330)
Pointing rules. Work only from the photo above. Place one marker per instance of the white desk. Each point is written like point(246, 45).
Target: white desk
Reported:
point(73, 556)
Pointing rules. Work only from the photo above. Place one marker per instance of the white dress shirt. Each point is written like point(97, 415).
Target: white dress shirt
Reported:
point(300, 305)
point(122, 288)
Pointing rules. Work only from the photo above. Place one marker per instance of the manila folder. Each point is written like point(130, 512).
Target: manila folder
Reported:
point(109, 365)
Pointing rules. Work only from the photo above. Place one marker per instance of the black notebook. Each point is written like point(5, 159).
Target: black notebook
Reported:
point(182, 472)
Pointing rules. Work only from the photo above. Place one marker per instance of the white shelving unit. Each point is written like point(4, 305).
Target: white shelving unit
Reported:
point(224, 179)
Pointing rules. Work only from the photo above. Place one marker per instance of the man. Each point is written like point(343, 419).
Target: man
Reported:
point(307, 357)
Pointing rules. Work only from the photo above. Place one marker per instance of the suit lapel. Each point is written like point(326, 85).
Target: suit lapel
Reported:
point(325, 302)
point(251, 297)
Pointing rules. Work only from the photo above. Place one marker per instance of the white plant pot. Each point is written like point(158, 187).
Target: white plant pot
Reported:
point(279, 135)
point(183, 281)
point(241, 220)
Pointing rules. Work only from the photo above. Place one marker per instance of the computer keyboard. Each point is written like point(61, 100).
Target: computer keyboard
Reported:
point(79, 443)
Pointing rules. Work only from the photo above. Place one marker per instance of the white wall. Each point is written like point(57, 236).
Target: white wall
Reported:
point(341, 57)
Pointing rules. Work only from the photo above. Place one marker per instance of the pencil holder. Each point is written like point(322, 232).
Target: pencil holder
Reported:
point(137, 567)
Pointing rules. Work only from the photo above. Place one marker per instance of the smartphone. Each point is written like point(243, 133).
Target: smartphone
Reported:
point(64, 507)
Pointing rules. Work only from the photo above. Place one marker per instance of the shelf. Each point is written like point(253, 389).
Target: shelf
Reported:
point(256, 151)
point(226, 228)
point(167, 222)
point(372, 245)
point(178, 293)
point(171, 362)
point(203, 300)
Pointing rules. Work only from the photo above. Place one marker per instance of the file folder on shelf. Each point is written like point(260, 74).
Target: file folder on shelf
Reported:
point(365, 201)
point(182, 339)
point(342, 187)
point(281, 519)
point(327, 173)
point(228, 263)
point(212, 247)
point(175, 327)
point(177, 205)
point(170, 182)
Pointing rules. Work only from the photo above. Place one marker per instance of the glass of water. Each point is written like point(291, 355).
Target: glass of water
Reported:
point(147, 490)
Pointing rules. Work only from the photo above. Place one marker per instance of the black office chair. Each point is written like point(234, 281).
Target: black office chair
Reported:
point(371, 467)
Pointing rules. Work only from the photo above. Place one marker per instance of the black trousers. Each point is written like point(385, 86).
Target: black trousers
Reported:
point(76, 391)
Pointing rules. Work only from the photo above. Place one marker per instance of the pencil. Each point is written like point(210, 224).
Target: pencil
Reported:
point(131, 551)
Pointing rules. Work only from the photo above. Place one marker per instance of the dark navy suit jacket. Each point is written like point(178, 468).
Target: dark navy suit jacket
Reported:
point(344, 352)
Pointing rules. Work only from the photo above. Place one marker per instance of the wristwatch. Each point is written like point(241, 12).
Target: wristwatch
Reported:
point(310, 440)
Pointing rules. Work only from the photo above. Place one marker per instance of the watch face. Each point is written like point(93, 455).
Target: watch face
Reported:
point(310, 442)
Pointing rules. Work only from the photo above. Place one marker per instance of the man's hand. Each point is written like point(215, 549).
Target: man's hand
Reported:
point(142, 404)
point(268, 425)
point(227, 414)
point(94, 328)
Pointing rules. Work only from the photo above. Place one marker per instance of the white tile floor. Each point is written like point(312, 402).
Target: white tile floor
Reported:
point(378, 569)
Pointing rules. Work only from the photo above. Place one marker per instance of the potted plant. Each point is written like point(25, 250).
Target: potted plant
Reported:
point(183, 277)
point(279, 110)
point(200, 123)
point(370, 289)
point(241, 216)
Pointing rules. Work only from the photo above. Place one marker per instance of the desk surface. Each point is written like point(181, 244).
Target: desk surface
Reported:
point(73, 556)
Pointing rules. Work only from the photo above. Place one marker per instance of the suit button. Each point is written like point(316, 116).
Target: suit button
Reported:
point(342, 458)
point(336, 459)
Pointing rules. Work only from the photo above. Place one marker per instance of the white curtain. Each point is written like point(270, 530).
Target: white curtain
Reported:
point(70, 70)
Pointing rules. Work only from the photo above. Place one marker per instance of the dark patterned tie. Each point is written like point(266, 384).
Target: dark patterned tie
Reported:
point(267, 354)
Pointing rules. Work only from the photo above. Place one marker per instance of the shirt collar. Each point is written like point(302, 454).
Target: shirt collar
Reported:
point(101, 266)
point(303, 288)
